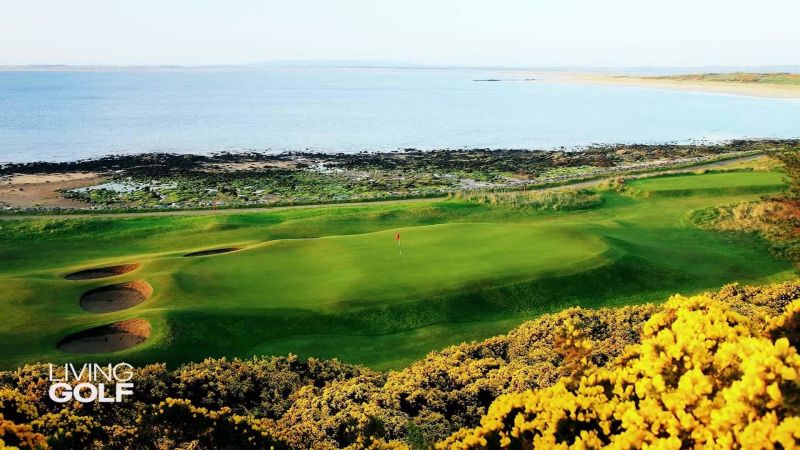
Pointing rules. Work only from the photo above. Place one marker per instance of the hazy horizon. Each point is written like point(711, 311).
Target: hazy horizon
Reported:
point(399, 65)
point(449, 33)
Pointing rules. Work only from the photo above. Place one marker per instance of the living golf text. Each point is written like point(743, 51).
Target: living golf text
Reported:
point(93, 380)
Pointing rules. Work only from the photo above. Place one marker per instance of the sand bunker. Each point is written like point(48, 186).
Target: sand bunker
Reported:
point(102, 272)
point(215, 251)
point(116, 297)
point(107, 338)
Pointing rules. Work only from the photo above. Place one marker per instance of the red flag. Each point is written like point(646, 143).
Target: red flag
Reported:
point(397, 236)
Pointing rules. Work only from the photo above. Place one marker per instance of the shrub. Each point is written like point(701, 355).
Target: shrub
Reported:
point(16, 407)
point(286, 402)
point(790, 157)
point(67, 430)
point(14, 436)
point(179, 424)
point(775, 220)
point(787, 325)
point(701, 378)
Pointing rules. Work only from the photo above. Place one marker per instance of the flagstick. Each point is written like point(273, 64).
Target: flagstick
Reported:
point(399, 249)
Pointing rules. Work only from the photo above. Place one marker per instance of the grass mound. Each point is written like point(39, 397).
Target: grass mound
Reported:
point(116, 297)
point(102, 272)
point(214, 251)
point(107, 338)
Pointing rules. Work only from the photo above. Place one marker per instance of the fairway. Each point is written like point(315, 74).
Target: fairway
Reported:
point(722, 182)
point(335, 282)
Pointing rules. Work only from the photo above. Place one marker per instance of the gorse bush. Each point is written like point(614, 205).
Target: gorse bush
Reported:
point(545, 200)
point(716, 369)
point(702, 377)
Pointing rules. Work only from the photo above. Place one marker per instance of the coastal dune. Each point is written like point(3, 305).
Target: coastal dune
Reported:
point(718, 87)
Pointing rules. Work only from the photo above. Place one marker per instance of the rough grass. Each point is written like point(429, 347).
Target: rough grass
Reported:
point(776, 220)
point(543, 200)
point(330, 282)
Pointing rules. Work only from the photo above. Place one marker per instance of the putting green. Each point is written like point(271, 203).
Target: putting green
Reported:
point(331, 281)
point(371, 268)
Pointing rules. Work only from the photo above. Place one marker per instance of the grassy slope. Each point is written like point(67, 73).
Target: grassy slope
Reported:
point(329, 282)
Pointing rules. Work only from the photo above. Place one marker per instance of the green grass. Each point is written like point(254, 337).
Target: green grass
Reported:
point(729, 183)
point(786, 79)
point(330, 281)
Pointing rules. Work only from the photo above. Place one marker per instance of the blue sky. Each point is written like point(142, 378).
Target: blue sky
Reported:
point(446, 32)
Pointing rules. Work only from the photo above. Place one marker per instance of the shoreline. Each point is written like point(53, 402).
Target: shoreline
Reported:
point(711, 87)
point(243, 180)
point(244, 159)
point(575, 182)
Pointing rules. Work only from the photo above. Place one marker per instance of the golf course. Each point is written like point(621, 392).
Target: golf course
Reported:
point(375, 284)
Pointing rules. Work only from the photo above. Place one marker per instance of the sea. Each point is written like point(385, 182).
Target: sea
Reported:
point(68, 115)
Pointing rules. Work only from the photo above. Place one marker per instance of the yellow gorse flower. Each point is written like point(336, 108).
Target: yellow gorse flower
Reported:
point(701, 378)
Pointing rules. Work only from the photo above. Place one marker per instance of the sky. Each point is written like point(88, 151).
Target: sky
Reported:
point(521, 33)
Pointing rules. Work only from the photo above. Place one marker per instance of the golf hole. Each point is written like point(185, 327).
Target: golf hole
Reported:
point(213, 251)
point(102, 272)
point(116, 297)
point(107, 338)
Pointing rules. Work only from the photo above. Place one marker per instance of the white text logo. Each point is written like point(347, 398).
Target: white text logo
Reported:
point(106, 384)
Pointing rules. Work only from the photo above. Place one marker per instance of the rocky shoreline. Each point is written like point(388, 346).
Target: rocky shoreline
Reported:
point(162, 180)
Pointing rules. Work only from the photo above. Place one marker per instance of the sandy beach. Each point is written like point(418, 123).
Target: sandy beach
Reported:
point(42, 189)
point(745, 89)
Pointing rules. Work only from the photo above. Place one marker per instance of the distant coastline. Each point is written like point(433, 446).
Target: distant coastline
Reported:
point(645, 77)
point(719, 87)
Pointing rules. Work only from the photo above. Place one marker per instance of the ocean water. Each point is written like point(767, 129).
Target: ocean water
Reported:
point(62, 116)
